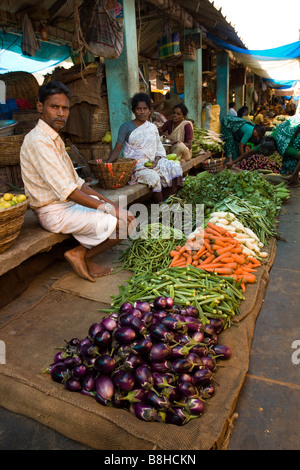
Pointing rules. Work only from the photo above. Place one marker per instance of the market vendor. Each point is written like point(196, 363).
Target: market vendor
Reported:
point(61, 200)
point(139, 139)
point(260, 116)
point(180, 132)
point(236, 133)
point(286, 140)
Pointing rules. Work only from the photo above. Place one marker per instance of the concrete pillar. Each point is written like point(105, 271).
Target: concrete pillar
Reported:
point(192, 70)
point(122, 74)
point(223, 82)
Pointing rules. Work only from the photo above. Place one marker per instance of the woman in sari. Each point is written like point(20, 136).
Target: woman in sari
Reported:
point(286, 140)
point(180, 132)
point(236, 133)
point(140, 140)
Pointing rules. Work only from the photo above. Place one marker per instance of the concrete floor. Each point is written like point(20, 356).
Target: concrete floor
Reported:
point(268, 412)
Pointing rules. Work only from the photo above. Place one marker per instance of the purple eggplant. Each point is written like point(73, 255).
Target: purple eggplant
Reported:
point(207, 391)
point(194, 359)
point(132, 361)
point(191, 311)
point(177, 416)
point(124, 335)
point(224, 352)
point(103, 401)
point(171, 393)
point(105, 364)
point(159, 314)
point(193, 324)
point(89, 393)
point(144, 377)
point(211, 340)
point(158, 401)
point(105, 387)
point(138, 326)
point(161, 333)
point(73, 361)
point(109, 324)
point(198, 336)
point(141, 346)
point(162, 380)
point(114, 316)
point(172, 323)
point(159, 352)
point(136, 395)
point(142, 306)
point(73, 385)
point(145, 412)
point(160, 303)
point(125, 307)
point(78, 372)
point(89, 381)
point(209, 363)
point(194, 406)
point(60, 373)
point(180, 366)
point(125, 319)
point(217, 323)
point(186, 378)
point(135, 312)
point(147, 318)
point(170, 303)
point(60, 356)
point(200, 350)
point(102, 339)
point(94, 329)
point(124, 380)
point(203, 376)
point(74, 343)
point(162, 367)
point(208, 329)
point(187, 389)
point(180, 351)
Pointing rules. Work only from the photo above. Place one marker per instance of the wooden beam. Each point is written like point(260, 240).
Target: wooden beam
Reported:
point(15, 21)
point(175, 11)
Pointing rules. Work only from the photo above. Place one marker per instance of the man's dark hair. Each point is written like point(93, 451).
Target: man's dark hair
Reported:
point(138, 98)
point(231, 104)
point(261, 130)
point(53, 88)
point(182, 108)
point(267, 145)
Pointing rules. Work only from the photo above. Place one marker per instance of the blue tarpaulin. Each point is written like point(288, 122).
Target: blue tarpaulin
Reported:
point(279, 67)
point(12, 59)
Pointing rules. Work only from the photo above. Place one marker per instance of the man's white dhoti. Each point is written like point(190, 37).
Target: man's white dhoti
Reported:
point(90, 227)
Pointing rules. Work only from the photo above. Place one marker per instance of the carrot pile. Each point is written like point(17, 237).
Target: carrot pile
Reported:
point(216, 250)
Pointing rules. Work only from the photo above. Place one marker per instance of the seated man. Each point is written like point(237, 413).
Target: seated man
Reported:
point(61, 200)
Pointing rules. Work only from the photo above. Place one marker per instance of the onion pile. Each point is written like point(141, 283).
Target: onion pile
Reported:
point(155, 359)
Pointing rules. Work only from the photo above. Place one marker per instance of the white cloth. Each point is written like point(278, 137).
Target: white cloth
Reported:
point(232, 112)
point(88, 226)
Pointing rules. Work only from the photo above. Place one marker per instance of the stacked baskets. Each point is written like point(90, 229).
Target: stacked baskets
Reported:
point(113, 175)
point(11, 221)
point(10, 171)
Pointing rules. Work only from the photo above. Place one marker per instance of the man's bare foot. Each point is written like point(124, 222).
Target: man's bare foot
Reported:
point(76, 258)
point(97, 271)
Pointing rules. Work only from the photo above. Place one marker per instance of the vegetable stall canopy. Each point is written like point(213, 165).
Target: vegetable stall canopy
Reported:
point(12, 59)
point(279, 67)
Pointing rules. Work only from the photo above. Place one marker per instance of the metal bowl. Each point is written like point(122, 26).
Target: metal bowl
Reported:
point(7, 127)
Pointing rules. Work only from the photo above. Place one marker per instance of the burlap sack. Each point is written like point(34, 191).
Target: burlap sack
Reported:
point(32, 338)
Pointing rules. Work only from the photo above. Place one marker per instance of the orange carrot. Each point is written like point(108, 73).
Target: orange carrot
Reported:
point(224, 270)
point(217, 228)
point(208, 260)
point(200, 253)
point(174, 253)
point(207, 246)
point(226, 249)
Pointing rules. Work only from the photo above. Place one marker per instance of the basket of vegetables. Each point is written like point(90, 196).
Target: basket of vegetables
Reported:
point(12, 213)
point(113, 175)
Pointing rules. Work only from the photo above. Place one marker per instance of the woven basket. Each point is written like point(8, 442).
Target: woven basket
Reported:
point(10, 149)
point(11, 221)
point(21, 85)
point(113, 175)
point(100, 124)
point(27, 120)
point(96, 151)
point(213, 164)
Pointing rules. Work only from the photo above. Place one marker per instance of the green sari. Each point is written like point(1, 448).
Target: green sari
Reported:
point(235, 130)
point(288, 143)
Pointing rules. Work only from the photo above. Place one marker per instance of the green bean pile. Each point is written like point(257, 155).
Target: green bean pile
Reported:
point(150, 252)
point(214, 296)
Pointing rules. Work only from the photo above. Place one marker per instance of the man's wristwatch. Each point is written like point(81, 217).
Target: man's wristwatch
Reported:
point(107, 208)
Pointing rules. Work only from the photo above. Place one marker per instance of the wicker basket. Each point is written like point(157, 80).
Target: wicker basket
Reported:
point(95, 151)
point(21, 85)
point(10, 149)
point(27, 120)
point(113, 175)
point(213, 164)
point(11, 221)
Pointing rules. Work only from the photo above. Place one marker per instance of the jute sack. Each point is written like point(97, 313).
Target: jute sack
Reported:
point(32, 338)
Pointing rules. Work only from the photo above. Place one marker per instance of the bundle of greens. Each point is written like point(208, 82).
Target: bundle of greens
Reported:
point(206, 140)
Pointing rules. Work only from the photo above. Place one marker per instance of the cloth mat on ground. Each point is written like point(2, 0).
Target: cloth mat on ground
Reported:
point(59, 316)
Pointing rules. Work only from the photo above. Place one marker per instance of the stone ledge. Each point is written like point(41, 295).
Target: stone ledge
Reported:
point(34, 239)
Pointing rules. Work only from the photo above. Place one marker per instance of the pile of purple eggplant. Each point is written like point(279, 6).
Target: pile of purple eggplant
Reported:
point(157, 360)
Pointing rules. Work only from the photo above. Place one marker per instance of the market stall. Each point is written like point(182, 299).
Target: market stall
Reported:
point(203, 425)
